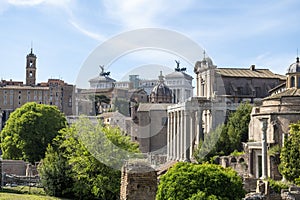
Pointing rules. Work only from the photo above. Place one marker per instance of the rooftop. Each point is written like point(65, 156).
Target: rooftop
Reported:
point(251, 73)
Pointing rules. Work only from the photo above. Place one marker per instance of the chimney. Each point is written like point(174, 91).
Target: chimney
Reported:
point(252, 67)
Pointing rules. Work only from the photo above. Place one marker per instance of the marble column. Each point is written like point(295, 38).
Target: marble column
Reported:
point(181, 151)
point(200, 135)
point(187, 137)
point(178, 136)
point(174, 135)
point(192, 130)
point(264, 147)
point(168, 137)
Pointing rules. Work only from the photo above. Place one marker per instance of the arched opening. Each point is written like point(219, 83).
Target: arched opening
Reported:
point(292, 81)
point(233, 160)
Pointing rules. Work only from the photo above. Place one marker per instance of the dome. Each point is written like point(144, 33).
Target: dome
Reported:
point(161, 93)
point(295, 67)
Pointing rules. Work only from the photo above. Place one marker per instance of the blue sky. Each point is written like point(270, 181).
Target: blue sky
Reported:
point(65, 32)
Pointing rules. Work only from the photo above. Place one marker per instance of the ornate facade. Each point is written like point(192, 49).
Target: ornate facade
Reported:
point(219, 91)
point(270, 124)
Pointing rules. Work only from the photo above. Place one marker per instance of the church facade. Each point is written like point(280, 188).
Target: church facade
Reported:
point(269, 124)
point(219, 91)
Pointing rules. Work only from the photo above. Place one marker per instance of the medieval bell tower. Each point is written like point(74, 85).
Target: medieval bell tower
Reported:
point(30, 69)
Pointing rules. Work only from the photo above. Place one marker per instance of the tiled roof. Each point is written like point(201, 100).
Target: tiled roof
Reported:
point(291, 92)
point(153, 106)
point(242, 72)
point(24, 87)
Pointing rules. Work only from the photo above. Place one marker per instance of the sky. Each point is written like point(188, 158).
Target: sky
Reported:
point(65, 33)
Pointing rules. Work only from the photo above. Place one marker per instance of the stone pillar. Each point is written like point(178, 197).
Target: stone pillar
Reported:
point(168, 136)
point(174, 136)
point(193, 138)
point(200, 135)
point(250, 160)
point(264, 147)
point(187, 136)
point(178, 136)
point(171, 137)
point(181, 151)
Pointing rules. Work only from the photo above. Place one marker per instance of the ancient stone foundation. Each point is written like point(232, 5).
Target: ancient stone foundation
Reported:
point(138, 181)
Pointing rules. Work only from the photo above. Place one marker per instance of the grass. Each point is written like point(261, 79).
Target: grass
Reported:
point(12, 196)
point(24, 192)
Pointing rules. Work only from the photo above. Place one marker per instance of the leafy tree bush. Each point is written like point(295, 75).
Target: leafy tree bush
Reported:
point(204, 181)
point(226, 138)
point(237, 126)
point(277, 186)
point(87, 148)
point(290, 154)
point(55, 173)
point(29, 130)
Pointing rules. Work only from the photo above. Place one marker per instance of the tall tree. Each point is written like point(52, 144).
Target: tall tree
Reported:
point(290, 154)
point(237, 126)
point(29, 130)
point(94, 154)
point(205, 181)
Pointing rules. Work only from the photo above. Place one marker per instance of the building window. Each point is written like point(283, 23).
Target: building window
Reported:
point(5, 100)
point(11, 99)
point(70, 101)
point(292, 81)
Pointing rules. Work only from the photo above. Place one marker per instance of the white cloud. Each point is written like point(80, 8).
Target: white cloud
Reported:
point(90, 34)
point(143, 13)
point(25, 2)
point(59, 3)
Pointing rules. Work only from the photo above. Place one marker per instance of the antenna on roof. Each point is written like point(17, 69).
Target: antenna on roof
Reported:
point(31, 45)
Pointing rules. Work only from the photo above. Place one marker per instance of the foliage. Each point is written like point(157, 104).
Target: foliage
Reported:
point(208, 148)
point(226, 138)
point(238, 123)
point(29, 130)
point(237, 153)
point(202, 196)
point(187, 180)
point(290, 154)
point(23, 190)
point(277, 186)
point(54, 171)
point(88, 149)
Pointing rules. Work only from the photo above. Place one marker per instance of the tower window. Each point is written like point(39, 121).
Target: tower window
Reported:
point(30, 74)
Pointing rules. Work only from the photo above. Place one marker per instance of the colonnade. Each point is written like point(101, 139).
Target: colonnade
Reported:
point(185, 130)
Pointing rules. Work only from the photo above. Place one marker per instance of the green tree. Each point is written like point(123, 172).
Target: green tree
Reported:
point(89, 151)
point(237, 126)
point(205, 181)
point(290, 154)
point(55, 174)
point(29, 130)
